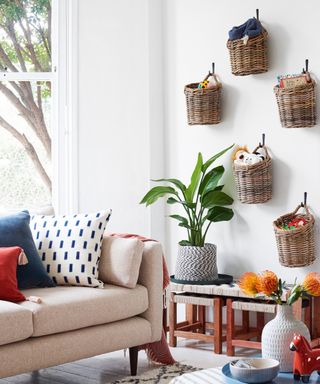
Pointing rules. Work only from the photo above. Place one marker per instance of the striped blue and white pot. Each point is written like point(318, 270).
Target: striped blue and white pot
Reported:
point(197, 263)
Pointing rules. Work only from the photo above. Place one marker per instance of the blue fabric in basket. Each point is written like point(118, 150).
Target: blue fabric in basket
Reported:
point(250, 28)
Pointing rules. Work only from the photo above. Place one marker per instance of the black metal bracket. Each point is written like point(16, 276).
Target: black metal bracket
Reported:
point(263, 140)
point(257, 14)
point(305, 196)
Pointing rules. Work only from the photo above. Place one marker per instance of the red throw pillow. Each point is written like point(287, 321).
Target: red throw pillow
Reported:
point(9, 258)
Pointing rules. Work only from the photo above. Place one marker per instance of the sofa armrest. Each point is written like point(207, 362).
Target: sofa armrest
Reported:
point(151, 276)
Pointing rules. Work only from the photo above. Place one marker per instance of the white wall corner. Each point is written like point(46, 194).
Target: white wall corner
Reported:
point(156, 112)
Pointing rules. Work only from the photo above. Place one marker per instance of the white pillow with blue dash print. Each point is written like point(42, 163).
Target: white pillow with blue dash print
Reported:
point(70, 246)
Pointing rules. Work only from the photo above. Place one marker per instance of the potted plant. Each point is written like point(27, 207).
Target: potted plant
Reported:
point(278, 333)
point(204, 203)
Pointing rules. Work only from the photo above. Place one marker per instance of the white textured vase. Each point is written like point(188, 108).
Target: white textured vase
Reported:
point(277, 335)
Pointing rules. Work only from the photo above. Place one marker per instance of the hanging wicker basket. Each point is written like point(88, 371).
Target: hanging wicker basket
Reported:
point(254, 182)
point(250, 58)
point(296, 247)
point(297, 106)
point(203, 104)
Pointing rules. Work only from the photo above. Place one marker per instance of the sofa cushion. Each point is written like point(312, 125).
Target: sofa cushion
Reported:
point(15, 231)
point(70, 246)
point(15, 323)
point(68, 308)
point(9, 258)
point(120, 261)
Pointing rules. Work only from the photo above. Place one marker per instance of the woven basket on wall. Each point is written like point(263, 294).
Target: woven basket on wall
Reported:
point(297, 106)
point(296, 247)
point(203, 105)
point(254, 182)
point(250, 58)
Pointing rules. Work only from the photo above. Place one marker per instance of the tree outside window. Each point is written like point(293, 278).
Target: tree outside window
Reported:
point(25, 103)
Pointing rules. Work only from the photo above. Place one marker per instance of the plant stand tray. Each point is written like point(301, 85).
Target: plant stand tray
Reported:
point(222, 279)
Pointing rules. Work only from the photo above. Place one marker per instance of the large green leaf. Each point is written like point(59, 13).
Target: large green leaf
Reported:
point(217, 213)
point(180, 218)
point(156, 192)
point(176, 182)
point(184, 242)
point(185, 225)
point(172, 200)
point(211, 179)
point(207, 164)
point(195, 178)
point(213, 198)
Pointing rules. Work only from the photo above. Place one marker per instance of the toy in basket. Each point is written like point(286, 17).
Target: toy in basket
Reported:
point(295, 237)
point(296, 99)
point(247, 46)
point(306, 359)
point(204, 100)
point(253, 174)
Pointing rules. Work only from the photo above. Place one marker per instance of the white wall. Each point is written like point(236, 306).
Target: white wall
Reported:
point(120, 116)
point(195, 35)
point(132, 120)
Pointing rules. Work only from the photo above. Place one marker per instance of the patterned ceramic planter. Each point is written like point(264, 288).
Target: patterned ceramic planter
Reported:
point(278, 334)
point(197, 263)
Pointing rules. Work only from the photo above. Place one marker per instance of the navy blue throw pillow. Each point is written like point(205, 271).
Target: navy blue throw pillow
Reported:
point(15, 231)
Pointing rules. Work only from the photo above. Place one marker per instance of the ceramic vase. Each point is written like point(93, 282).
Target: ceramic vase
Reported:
point(197, 263)
point(277, 335)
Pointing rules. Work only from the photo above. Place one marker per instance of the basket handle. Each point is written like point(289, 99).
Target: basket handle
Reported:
point(303, 205)
point(214, 76)
point(263, 145)
point(211, 73)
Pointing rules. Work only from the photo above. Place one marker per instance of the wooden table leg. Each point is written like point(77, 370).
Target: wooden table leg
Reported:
point(191, 313)
point(297, 309)
point(172, 321)
point(308, 317)
point(316, 317)
point(245, 321)
point(230, 328)
point(260, 324)
point(202, 317)
point(217, 312)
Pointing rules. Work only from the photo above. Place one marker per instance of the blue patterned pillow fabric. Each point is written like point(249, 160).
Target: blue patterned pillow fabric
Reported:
point(70, 246)
point(15, 231)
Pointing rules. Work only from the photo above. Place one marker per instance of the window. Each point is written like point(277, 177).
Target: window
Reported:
point(36, 153)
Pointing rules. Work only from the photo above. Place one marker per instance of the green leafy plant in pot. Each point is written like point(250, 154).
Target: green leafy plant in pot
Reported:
point(204, 203)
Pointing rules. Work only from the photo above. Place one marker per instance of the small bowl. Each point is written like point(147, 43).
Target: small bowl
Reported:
point(264, 371)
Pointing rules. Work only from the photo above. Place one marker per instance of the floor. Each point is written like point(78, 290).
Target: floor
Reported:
point(113, 366)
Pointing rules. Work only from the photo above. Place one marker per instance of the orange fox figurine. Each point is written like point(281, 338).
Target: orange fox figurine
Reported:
point(306, 359)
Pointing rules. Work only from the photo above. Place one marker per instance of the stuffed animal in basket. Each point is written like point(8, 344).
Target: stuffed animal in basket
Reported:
point(306, 359)
point(243, 156)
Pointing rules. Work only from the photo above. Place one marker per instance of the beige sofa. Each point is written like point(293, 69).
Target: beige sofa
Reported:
point(73, 323)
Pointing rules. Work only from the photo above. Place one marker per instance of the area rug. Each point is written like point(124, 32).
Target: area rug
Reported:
point(161, 375)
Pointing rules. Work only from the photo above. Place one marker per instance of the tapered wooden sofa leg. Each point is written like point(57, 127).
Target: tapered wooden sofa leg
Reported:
point(133, 354)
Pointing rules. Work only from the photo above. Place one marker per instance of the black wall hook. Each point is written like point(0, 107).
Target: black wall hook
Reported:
point(307, 65)
point(305, 196)
point(213, 68)
point(257, 14)
point(263, 140)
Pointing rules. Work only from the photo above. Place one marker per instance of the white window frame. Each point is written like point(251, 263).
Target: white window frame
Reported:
point(64, 80)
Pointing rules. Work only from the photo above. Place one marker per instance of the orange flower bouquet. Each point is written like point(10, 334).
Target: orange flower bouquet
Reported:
point(267, 284)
